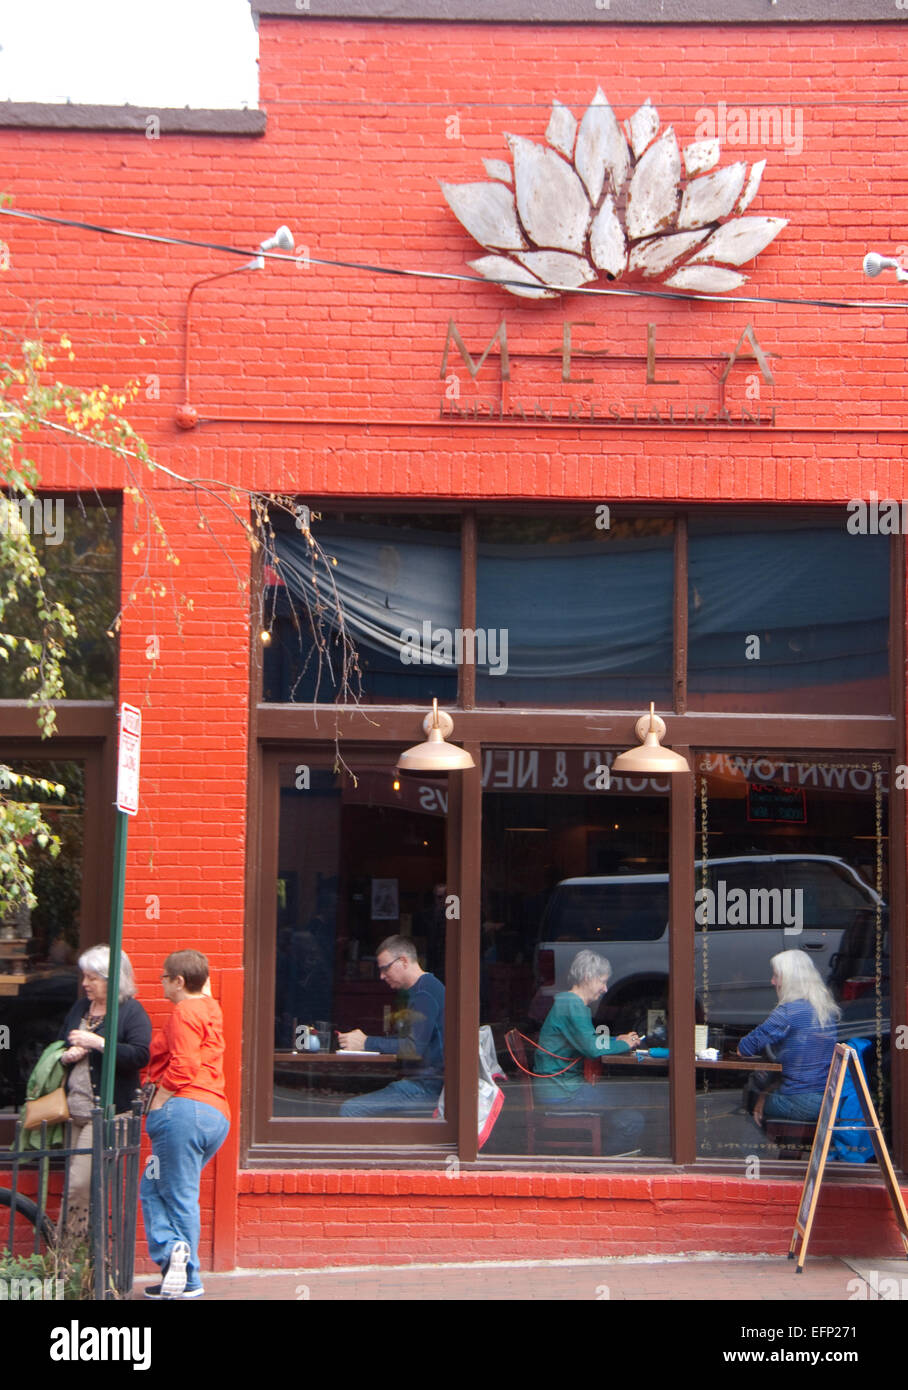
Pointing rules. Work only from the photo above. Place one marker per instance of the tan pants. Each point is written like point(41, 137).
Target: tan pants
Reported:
point(79, 1195)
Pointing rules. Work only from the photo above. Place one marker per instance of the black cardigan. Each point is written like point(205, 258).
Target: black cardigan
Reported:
point(133, 1042)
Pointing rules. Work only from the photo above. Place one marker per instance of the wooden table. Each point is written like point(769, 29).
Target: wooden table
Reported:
point(344, 1057)
point(630, 1059)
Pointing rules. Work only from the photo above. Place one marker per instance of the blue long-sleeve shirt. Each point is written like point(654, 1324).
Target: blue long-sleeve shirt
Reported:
point(423, 1037)
point(801, 1045)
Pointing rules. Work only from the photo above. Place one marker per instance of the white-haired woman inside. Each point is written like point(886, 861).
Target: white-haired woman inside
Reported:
point(85, 1030)
point(568, 1034)
point(802, 1034)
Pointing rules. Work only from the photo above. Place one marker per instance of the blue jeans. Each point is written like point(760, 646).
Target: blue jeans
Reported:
point(184, 1135)
point(622, 1127)
point(400, 1098)
point(799, 1105)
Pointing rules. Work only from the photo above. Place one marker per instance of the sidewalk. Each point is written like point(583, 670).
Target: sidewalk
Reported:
point(707, 1278)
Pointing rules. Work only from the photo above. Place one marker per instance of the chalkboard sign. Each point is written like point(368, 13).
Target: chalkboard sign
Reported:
point(844, 1059)
point(773, 801)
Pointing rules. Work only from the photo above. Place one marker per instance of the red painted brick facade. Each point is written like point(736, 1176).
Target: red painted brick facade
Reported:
point(358, 124)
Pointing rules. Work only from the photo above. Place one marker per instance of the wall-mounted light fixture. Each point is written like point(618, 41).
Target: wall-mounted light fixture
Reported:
point(435, 755)
point(650, 757)
point(187, 417)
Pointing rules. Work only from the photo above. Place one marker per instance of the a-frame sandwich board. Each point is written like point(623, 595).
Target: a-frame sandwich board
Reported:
point(844, 1059)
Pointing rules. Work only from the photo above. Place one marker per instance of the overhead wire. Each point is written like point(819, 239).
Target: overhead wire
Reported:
point(439, 275)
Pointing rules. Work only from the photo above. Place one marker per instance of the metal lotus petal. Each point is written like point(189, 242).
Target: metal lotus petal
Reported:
point(550, 199)
point(498, 169)
point(558, 268)
point(487, 212)
point(707, 279)
point(608, 247)
point(659, 254)
point(642, 126)
point(751, 186)
point(740, 240)
point(503, 268)
point(712, 197)
point(652, 199)
point(601, 149)
point(701, 156)
point(561, 131)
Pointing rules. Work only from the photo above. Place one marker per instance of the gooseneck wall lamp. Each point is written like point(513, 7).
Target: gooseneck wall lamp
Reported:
point(187, 416)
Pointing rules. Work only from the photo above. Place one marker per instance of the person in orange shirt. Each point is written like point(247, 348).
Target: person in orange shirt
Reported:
point(187, 1123)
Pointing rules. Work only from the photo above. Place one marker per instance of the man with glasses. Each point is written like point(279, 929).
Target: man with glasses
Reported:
point(420, 1042)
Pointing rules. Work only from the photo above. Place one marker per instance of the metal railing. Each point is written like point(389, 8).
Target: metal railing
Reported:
point(113, 1195)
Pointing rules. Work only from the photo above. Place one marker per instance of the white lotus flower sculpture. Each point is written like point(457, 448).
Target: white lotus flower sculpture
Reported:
point(596, 200)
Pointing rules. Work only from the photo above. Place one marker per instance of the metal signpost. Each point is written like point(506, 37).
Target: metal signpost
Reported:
point(127, 805)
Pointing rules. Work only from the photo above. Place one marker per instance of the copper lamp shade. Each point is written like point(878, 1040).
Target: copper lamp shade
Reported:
point(435, 755)
point(650, 757)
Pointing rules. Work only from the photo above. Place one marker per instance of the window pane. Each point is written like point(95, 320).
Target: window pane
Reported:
point(78, 549)
point(787, 616)
point(569, 874)
point(396, 586)
point(39, 948)
point(358, 864)
point(793, 859)
point(583, 616)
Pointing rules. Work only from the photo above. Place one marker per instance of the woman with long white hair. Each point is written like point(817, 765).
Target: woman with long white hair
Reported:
point(801, 1031)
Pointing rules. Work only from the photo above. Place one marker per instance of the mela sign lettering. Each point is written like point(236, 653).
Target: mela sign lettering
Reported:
point(602, 405)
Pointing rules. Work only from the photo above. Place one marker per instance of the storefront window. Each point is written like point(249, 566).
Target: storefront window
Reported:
point(360, 862)
point(78, 548)
point(395, 590)
point(573, 875)
point(582, 614)
point(787, 615)
point(575, 864)
point(39, 947)
point(793, 857)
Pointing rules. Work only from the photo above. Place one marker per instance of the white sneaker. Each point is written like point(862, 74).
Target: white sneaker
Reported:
point(174, 1280)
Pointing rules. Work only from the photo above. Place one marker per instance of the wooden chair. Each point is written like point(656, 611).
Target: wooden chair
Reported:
point(552, 1131)
point(794, 1137)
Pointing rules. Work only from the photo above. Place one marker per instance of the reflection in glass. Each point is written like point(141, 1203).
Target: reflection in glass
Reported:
point(82, 571)
point(793, 857)
point(396, 583)
point(787, 616)
point(357, 864)
point(570, 873)
point(586, 613)
point(39, 948)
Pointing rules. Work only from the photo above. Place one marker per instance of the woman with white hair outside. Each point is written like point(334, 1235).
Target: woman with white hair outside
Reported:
point(802, 1034)
point(85, 1030)
point(568, 1033)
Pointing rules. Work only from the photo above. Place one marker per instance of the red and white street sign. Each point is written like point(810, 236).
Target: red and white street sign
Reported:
point(128, 760)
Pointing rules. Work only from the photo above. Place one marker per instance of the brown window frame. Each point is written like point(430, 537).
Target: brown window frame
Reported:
point(291, 727)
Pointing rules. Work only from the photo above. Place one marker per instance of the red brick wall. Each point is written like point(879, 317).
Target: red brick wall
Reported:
point(358, 125)
point(337, 1218)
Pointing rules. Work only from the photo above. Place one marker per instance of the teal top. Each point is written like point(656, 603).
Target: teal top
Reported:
point(569, 1032)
